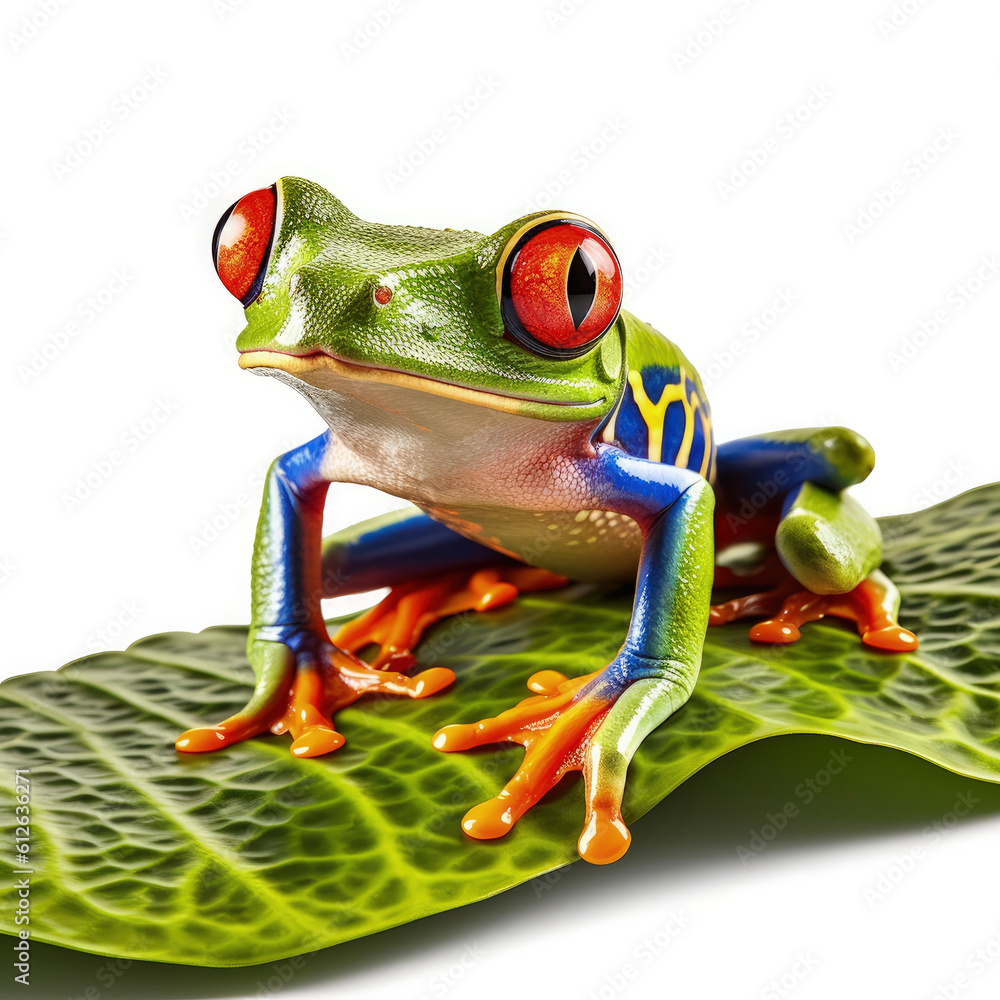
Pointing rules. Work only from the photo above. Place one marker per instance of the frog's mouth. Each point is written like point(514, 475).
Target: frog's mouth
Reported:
point(322, 371)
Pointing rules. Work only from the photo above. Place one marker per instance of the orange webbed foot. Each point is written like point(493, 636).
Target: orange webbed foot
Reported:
point(311, 686)
point(554, 726)
point(396, 624)
point(871, 605)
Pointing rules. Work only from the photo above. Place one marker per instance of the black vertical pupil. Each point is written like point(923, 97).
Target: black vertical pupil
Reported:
point(581, 286)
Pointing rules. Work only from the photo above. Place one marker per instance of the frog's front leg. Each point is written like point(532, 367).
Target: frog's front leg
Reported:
point(302, 678)
point(595, 723)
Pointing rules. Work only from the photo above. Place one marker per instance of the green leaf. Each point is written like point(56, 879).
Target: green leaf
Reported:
point(250, 855)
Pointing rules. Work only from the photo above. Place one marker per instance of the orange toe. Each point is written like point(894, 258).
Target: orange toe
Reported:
point(775, 631)
point(496, 596)
point(316, 741)
point(605, 839)
point(546, 681)
point(462, 736)
point(893, 637)
point(489, 820)
point(431, 681)
point(203, 740)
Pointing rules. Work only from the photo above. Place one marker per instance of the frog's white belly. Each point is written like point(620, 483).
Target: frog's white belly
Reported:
point(589, 545)
point(511, 482)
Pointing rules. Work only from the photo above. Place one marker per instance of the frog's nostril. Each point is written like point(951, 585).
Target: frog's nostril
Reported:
point(242, 243)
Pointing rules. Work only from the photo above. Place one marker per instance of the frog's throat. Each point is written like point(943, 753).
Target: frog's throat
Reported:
point(323, 371)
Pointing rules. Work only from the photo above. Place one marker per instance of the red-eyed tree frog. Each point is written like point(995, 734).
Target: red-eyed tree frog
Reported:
point(542, 434)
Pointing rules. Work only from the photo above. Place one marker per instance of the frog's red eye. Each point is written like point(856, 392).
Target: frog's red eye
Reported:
point(242, 241)
point(561, 288)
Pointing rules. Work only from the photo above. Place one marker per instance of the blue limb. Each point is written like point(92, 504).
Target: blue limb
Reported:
point(433, 572)
point(596, 722)
point(394, 548)
point(770, 465)
point(302, 678)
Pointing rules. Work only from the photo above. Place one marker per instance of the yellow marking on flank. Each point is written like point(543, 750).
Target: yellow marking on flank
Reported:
point(655, 413)
point(706, 458)
point(706, 430)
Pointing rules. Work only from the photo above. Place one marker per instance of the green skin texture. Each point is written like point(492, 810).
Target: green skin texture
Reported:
point(444, 324)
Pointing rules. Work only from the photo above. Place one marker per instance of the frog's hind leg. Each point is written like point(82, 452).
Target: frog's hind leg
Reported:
point(433, 572)
point(825, 549)
point(830, 547)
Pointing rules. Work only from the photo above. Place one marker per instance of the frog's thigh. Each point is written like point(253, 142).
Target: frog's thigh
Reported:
point(834, 457)
point(827, 540)
point(393, 548)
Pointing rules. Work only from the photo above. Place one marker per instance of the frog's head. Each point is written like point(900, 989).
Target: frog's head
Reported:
point(524, 321)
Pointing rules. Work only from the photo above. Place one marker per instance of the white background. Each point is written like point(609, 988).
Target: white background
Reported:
point(587, 110)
